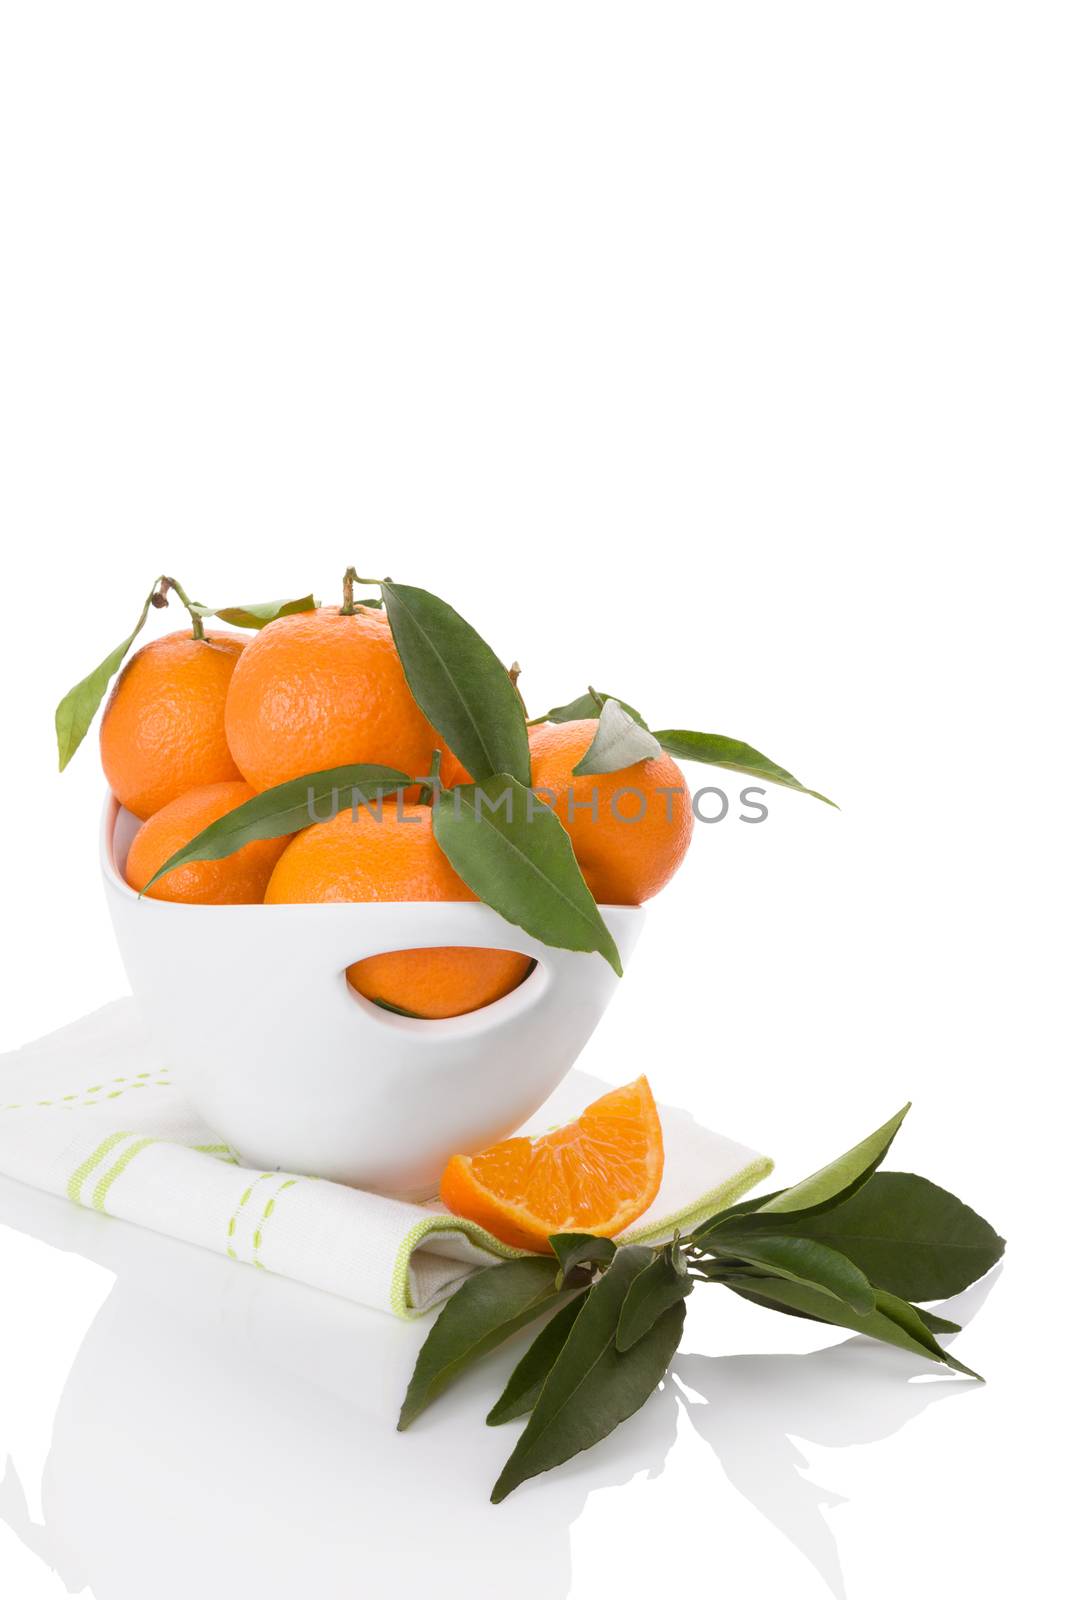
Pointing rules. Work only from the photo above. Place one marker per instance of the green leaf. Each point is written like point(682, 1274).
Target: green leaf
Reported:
point(716, 750)
point(261, 612)
point(835, 1182)
point(594, 1386)
point(518, 858)
point(577, 1250)
point(893, 1321)
point(652, 1292)
point(747, 1289)
point(801, 1261)
point(489, 1308)
point(460, 685)
point(619, 742)
point(528, 1379)
point(935, 1323)
point(908, 1236)
point(586, 708)
point(285, 809)
point(78, 707)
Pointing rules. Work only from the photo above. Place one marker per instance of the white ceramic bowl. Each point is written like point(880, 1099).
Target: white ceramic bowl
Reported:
point(283, 1059)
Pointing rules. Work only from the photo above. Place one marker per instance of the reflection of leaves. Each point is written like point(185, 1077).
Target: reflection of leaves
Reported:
point(755, 1412)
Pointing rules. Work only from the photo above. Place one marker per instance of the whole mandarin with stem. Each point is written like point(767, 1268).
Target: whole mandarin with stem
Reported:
point(325, 688)
point(163, 730)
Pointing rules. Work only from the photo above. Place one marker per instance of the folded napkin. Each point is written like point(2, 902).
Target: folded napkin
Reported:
point(92, 1113)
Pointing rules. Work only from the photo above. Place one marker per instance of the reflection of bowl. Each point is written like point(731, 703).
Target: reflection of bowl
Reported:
point(283, 1059)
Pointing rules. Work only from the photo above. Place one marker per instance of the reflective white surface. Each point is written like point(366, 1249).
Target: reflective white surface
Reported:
point(714, 353)
point(175, 1425)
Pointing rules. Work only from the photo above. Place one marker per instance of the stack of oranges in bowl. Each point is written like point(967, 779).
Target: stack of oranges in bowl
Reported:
point(199, 722)
point(222, 745)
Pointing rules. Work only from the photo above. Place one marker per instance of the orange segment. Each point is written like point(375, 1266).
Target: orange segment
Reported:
point(596, 1175)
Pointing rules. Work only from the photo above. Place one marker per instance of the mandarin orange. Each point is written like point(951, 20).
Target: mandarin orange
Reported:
point(364, 856)
point(321, 689)
point(596, 1175)
point(630, 829)
point(163, 728)
point(240, 879)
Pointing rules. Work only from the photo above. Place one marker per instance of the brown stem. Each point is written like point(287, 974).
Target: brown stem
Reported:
point(513, 674)
point(352, 576)
point(195, 618)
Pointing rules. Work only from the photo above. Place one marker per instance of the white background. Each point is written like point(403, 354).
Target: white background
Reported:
point(711, 354)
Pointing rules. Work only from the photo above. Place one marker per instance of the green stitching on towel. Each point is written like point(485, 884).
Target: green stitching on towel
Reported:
point(232, 1228)
point(79, 1175)
point(268, 1212)
point(221, 1152)
point(66, 1101)
point(100, 1192)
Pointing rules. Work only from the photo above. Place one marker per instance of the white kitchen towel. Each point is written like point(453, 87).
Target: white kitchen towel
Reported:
point(91, 1112)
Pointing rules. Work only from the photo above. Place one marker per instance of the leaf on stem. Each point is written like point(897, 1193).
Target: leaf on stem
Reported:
point(459, 684)
point(660, 1286)
point(486, 1310)
point(908, 1236)
point(518, 858)
point(716, 750)
point(893, 1321)
point(747, 1289)
point(286, 809)
point(259, 613)
point(528, 1379)
point(594, 1386)
point(586, 708)
point(78, 707)
point(573, 1250)
point(837, 1180)
point(800, 1260)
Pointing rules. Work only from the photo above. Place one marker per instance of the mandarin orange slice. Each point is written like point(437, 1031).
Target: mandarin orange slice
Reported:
point(596, 1175)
